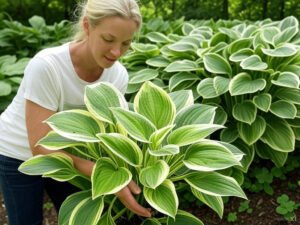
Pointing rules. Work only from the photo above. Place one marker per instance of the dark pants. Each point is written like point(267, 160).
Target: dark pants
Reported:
point(23, 194)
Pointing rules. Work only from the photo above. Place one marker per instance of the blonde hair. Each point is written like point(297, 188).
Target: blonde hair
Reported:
point(95, 10)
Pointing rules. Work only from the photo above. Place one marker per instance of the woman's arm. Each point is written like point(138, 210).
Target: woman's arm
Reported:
point(36, 129)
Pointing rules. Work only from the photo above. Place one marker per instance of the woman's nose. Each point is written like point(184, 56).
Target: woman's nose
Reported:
point(116, 52)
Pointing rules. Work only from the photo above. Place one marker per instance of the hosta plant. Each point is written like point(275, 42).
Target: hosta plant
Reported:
point(162, 142)
point(250, 71)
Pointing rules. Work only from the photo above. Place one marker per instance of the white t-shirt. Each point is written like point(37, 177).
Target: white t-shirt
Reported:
point(50, 81)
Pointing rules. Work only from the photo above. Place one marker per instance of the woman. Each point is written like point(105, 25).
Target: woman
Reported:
point(54, 80)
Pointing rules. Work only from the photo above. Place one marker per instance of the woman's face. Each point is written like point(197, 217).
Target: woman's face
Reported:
point(109, 39)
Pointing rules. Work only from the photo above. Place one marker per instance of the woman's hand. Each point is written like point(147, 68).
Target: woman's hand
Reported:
point(126, 197)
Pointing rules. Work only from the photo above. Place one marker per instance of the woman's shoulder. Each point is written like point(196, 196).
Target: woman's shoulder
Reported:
point(55, 51)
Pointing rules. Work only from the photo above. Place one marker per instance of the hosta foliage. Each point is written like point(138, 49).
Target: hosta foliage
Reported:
point(18, 43)
point(249, 71)
point(163, 141)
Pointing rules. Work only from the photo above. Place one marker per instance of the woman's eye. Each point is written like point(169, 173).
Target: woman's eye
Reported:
point(108, 40)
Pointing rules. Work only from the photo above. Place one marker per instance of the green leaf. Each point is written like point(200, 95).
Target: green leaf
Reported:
point(286, 50)
point(208, 155)
point(288, 22)
point(183, 47)
point(253, 63)
point(195, 114)
point(154, 175)
point(164, 198)
point(287, 79)
point(241, 55)
point(237, 45)
point(43, 164)
point(182, 80)
point(100, 97)
point(291, 95)
point(266, 152)
point(249, 154)
point(87, 211)
point(157, 37)
point(263, 101)
point(69, 204)
point(182, 65)
point(237, 153)
point(268, 33)
point(123, 147)
point(37, 22)
point(183, 217)
point(106, 219)
point(243, 83)
point(107, 178)
point(252, 133)
point(286, 36)
point(143, 75)
point(206, 88)
point(284, 109)
point(5, 88)
point(279, 135)
point(182, 98)
point(133, 88)
point(214, 202)
point(215, 184)
point(234, 35)
point(76, 124)
point(155, 104)
point(245, 112)
point(53, 141)
point(221, 116)
point(158, 61)
point(138, 126)
point(158, 136)
point(187, 28)
point(165, 150)
point(190, 134)
point(215, 63)
point(221, 85)
point(147, 49)
point(151, 221)
point(229, 134)
point(16, 68)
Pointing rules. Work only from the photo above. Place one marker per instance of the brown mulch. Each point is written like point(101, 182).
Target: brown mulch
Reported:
point(263, 206)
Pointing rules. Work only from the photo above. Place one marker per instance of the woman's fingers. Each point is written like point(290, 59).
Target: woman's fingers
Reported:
point(129, 201)
point(134, 188)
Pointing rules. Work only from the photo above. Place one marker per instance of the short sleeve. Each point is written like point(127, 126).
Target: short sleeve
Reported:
point(41, 84)
point(124, 82)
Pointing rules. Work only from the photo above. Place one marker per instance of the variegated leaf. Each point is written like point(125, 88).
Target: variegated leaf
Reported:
point(245, 112)
point(215, 184)
point(164, 198)
point(252, 133)
point(107, 178)
point(137, 126)
point(152, 176)
point(123, 147)
point(100, 97)
point(208, 155)
point(76, 124)
point(243, 83)
point(155, 104)
point(190, 134)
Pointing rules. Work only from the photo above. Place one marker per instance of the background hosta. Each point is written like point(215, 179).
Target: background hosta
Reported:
point(249, 71)
point(161, 143)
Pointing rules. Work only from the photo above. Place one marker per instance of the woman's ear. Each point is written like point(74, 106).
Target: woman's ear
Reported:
point(85, 25)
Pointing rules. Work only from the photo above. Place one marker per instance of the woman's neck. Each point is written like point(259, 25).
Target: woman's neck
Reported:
point(83, 62)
